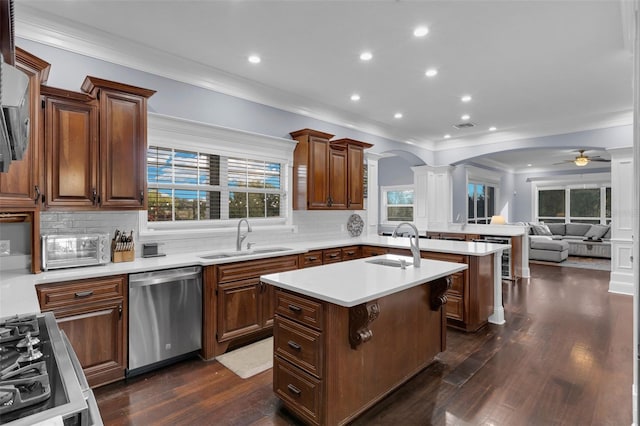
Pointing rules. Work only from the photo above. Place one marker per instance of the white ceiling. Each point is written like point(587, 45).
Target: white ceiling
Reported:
point(533, 68)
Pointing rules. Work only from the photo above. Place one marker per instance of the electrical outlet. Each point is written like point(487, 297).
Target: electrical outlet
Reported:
point(5, 247)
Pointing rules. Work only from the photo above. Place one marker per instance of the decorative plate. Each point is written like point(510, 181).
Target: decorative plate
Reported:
point(355, 225)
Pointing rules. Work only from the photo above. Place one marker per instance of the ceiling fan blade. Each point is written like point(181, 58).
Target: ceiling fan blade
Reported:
point(599, 159)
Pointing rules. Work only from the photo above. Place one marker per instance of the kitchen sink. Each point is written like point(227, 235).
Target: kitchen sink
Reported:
point(389, 262)
point(225, 255)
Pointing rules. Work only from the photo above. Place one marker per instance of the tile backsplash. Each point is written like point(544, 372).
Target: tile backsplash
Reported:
point(88, 222)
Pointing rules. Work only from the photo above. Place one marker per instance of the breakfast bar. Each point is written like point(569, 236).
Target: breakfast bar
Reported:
point(347, 334)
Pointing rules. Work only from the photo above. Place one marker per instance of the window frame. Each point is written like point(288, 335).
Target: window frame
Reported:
point(186, 135)
point(603, 219)
point(383, 205)
point(487, 217)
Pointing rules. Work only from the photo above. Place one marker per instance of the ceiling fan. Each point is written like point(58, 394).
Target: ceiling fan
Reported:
point(582, 159)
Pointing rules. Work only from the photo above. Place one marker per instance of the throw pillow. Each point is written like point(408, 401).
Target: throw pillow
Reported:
point(596, 232)
point(541, 229)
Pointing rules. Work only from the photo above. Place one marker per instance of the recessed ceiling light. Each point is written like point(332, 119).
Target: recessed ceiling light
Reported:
point(447, 136)
point(465, 117)
point(397, 115)
point(431, 72)
point(355, 97)
point(254, 59)
point(421, 31)
point(529, 165)
point(366, 56)
point(492, 129)
point(466, 98)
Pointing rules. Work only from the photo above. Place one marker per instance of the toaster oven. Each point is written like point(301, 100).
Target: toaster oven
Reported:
point(70, 251)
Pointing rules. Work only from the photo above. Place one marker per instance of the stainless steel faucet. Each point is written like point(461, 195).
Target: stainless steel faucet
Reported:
point(240, 238)
point(415, 245)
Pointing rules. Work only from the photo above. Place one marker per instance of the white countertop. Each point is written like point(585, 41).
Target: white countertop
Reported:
point(18, 294)
point(358, 281)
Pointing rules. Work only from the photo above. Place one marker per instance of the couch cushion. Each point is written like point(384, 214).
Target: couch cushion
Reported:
point(556, 228)
point(553, 245)
point(540, 229)
point(577, 228)
point(597, 231)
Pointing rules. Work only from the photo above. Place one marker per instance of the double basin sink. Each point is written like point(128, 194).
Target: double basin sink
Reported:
point(228, 254)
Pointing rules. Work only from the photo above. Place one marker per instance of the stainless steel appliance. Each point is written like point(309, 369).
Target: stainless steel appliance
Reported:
point(68, 251)
point(165, 317)
point(37, 379)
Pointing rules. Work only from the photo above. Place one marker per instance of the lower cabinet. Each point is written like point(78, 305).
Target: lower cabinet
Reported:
point(92, 313)
point(237, 306)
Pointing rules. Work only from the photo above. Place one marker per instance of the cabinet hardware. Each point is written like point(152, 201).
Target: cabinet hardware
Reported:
point(94, 196)
point(333, 255)
point(350, 253)
point(312, 258)
point(81, 294)
point(294, 345)
point(42, 103)
point(120, 311)
point(294, 390)
point(35, 201)
point(295, 308)
point(142, 196)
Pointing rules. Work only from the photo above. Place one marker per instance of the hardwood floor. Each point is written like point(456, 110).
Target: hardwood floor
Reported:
point(564, 357)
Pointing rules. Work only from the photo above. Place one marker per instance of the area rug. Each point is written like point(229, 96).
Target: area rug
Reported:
point(580, 262)
point(249, 360)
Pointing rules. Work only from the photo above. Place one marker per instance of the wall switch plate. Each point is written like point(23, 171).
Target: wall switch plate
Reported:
point(5, 247)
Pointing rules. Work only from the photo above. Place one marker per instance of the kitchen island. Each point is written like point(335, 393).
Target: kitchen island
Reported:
point(347, 334)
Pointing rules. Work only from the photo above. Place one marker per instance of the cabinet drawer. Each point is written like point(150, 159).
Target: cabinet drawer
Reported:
point(312, 258)
point(331, 255)
point(305, 311)
point(255, 268)
point(455, 307)
point(446, 257)
point(457, 284)
point(299, 345)
point(54, 295)
point(350, 253)
point(368, 251)
point(300, 391)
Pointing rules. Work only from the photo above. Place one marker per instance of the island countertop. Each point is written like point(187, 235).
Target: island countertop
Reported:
point(358, 281)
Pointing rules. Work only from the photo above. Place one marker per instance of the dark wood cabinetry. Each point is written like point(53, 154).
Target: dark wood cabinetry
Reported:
point(327, 174)
point(236, 304)
point(95, 144)
point(368, 251)
point(93, 315)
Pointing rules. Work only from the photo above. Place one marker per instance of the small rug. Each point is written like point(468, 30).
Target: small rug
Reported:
point(249, 360)
point(580, 262)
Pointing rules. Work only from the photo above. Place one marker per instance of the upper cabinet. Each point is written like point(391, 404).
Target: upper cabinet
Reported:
point(21, 187)
point(95, 146)
point(327, 175)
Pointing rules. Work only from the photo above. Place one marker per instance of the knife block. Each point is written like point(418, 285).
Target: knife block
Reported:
point(119, 255)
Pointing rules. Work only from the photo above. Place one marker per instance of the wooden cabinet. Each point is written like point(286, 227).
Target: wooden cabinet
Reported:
point(350, 253)
point(237, 305)
point(368, 251)
point(327, 174)
point(71, 149)
point(93, 315)
point(95, 145)
point(332, 255)
point(310, 258)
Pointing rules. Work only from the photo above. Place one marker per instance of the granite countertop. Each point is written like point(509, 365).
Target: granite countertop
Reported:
point(18, 294)
point(358, 281)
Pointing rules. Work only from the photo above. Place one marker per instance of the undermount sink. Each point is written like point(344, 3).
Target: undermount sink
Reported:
point(389, 262)
point(228, 254)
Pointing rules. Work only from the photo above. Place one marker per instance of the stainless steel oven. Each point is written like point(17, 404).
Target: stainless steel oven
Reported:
point(68, 251)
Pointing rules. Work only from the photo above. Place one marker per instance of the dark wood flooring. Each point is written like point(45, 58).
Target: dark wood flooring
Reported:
point(564, 357)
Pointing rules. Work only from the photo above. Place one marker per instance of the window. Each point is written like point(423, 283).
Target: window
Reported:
point(584, 205)
point(397, 204)
point(481, 198)
point(194, 186)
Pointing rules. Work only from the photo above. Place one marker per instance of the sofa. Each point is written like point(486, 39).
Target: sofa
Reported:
point(555, 242)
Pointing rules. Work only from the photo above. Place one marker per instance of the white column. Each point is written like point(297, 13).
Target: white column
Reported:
point(498, 310)
point(622, 220)
point(432, 197)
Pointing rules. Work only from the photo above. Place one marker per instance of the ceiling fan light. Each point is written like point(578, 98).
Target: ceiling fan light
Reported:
point(581, 161)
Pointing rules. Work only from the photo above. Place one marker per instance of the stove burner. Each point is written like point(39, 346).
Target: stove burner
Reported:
point(28, 340)
point(23, 386)
point(18, 326)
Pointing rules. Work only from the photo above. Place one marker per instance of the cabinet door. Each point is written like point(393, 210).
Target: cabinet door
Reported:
point(21, 186)
point(239, 308)
point(96, 332)
point(71, 152)
point(123, 139)
point(355, 180)
point(318, 185)
point(268, 305)
point(338, 178)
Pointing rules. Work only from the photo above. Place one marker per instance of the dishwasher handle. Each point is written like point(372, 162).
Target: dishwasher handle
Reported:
point(143, 280)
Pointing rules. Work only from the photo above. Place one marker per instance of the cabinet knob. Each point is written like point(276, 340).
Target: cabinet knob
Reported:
point(142, 196)
point(37, 189)
point(95, 197)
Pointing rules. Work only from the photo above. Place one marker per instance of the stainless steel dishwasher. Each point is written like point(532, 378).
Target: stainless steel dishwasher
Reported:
point(165, 317)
